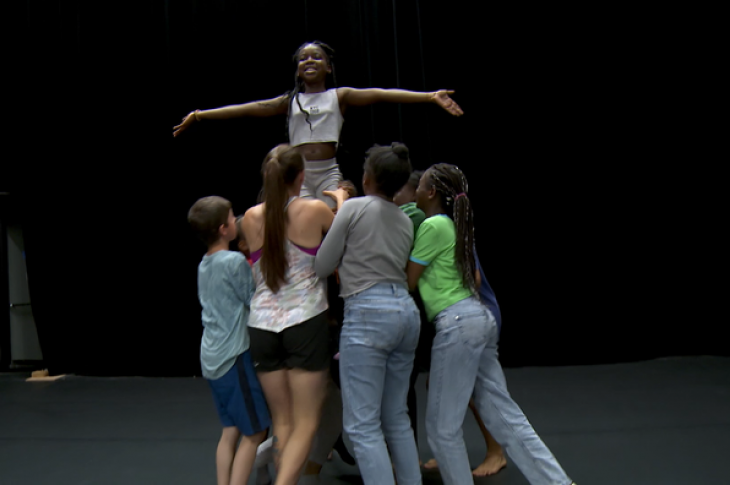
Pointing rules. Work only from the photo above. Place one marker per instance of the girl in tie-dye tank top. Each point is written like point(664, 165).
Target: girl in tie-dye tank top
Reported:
point(288, 324)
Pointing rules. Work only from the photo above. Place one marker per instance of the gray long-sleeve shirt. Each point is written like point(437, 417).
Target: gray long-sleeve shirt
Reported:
point(369, 242)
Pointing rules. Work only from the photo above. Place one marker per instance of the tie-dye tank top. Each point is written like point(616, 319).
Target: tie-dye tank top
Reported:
point(302, 295)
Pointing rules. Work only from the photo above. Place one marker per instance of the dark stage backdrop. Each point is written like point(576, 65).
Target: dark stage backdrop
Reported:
point(103, 188)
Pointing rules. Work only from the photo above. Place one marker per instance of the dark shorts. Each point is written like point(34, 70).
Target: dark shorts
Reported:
point(239, 398)
point(304, 346)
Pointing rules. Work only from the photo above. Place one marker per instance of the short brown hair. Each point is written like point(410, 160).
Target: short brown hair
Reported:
point(207, 215)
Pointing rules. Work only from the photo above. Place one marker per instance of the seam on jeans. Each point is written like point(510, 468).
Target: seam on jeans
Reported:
point(507, 425)
point(437, 399)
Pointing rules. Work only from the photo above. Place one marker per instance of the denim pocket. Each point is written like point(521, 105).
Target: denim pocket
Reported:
point(375, 328)
point(469, 326)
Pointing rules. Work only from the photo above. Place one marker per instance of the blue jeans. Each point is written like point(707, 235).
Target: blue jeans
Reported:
point(464, 363)
point(377, 348)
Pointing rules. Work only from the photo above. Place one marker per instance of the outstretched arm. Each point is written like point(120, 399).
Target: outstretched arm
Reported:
point(364, 97)
point(264, 107)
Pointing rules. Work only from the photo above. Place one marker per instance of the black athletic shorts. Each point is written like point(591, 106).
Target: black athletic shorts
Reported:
point(304, 346)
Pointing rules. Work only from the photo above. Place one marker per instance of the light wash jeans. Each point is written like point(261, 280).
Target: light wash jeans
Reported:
point(464, 363)
point(377, 347)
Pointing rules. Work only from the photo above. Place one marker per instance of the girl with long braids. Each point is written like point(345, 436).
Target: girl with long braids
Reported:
point(315, 113)
point(464, 353)
point(288, 323)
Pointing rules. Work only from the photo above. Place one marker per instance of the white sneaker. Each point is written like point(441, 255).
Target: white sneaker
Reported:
point(264, 453)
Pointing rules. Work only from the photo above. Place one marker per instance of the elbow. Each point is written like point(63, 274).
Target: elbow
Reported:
point(321, 270)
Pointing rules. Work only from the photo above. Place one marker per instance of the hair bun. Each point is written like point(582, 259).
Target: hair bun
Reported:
point(400, 149)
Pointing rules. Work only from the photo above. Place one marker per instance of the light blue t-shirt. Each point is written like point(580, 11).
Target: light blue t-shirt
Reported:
point(225, 288)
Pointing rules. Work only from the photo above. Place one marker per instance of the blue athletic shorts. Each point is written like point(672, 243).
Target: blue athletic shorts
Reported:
point(239, 398)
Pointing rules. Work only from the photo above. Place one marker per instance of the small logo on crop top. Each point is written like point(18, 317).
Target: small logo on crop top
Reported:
point(314, 110)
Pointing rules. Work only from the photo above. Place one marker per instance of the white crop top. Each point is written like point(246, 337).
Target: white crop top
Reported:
point(324, 115)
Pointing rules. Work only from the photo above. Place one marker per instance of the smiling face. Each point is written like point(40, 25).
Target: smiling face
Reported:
point(313, 64)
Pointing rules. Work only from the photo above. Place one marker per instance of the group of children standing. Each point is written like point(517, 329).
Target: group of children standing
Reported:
point(266, 349)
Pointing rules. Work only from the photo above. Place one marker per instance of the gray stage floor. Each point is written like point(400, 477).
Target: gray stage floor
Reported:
point(660, 422)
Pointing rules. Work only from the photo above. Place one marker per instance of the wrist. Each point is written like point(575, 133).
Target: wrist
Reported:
point(196, 114)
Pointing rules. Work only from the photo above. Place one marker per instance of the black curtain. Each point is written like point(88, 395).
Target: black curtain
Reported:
point(5, 351)
point(105, 187)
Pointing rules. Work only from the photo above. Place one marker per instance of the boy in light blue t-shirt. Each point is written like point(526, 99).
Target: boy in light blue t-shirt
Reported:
point(225, 288)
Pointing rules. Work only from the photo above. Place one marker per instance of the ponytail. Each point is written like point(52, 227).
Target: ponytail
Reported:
point(280, 169)
point(451, 185)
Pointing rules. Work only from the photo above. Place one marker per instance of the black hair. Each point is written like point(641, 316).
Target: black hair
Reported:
point(293, 95)
point(415, 178)
point(239, 231)
point(389, 167)
point(452, 187)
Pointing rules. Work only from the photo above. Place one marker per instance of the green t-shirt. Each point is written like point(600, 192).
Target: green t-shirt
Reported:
point(440, 284)
point(416, 215)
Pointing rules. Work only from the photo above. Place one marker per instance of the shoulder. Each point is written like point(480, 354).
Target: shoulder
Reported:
point(399, 212)
point(231, 258)
point(343, 92)
point(311, 209)
point(225, 261)
point(356, 203)
point(430, 228)
point(237, 265)
point(254, 213)
point(312, 206)
point(438, 222)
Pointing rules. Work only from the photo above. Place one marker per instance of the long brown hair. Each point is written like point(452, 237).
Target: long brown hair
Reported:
point(281, 167)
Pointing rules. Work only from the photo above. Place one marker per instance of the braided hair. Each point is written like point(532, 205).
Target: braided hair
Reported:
point(452, 187)
point(329, 54)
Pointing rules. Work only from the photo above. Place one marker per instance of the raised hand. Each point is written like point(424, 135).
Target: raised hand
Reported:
point(339, 194)
point(186, 122)
point(349, 187)
point(441, 97)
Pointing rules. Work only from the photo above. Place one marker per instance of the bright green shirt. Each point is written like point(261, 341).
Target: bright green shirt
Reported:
point(440, 284)
point(416, 215)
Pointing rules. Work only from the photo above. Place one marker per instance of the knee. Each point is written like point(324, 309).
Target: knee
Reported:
point(363, 431)
point(229, 436)
point(442, 430)
point(259, 437)
point(396, 422)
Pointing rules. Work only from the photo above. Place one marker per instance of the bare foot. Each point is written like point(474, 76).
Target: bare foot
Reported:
point(431, 464)
point(491, 465)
